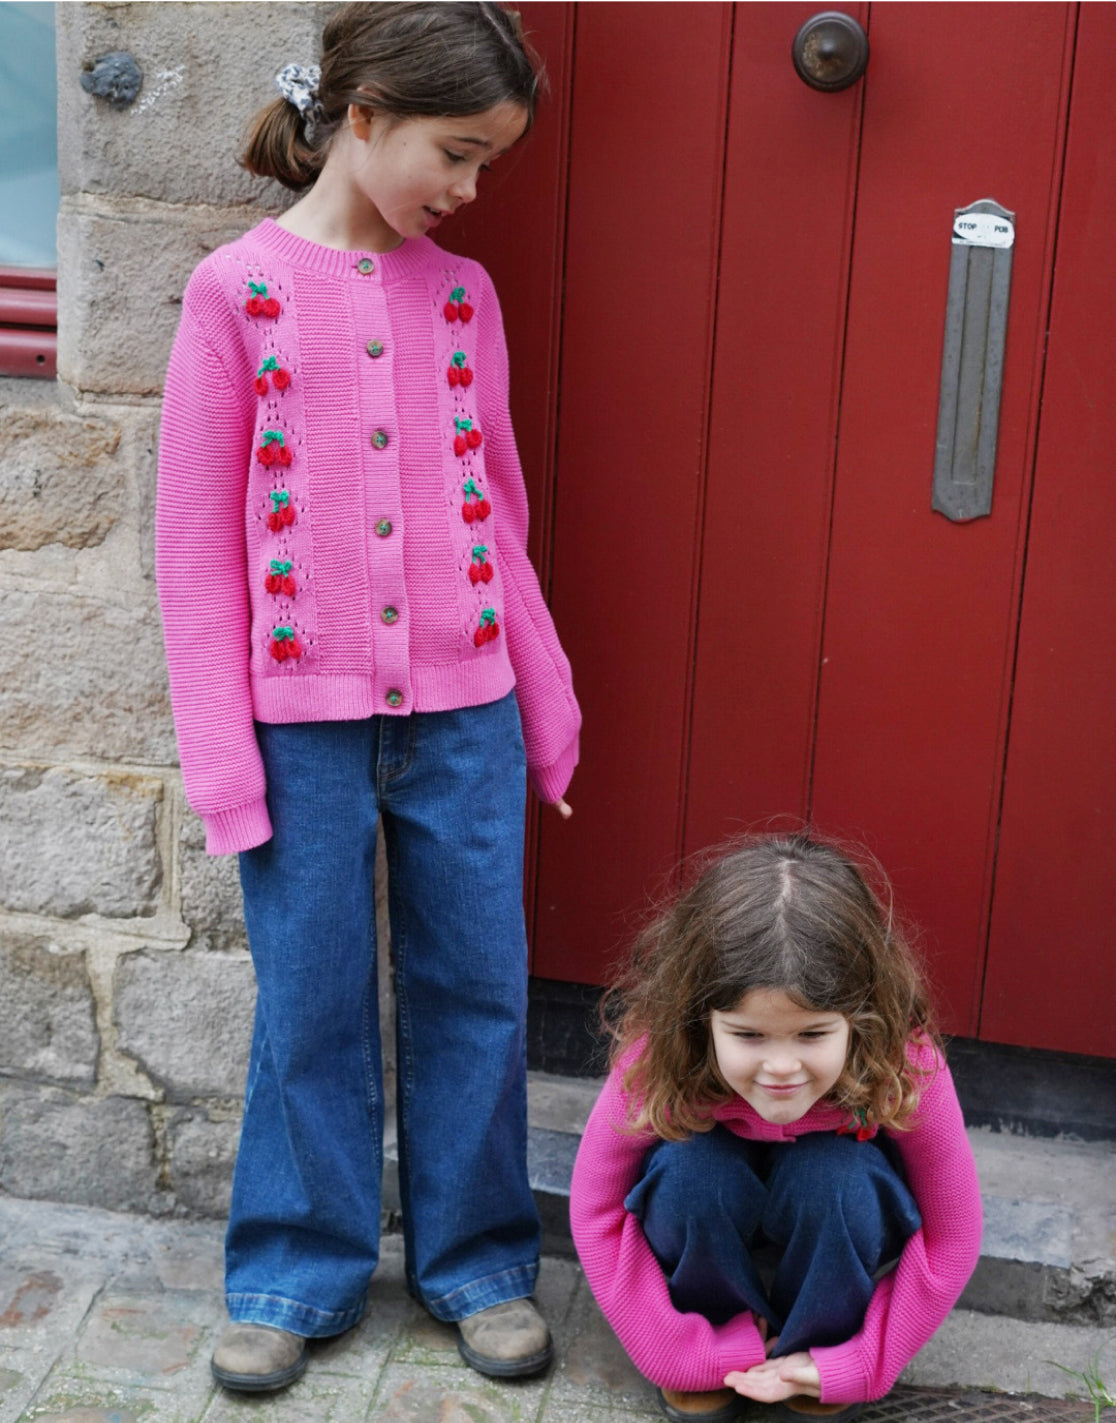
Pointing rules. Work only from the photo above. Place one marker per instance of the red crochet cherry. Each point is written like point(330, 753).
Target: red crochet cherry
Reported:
point(285, 644)
point(467, 437)
point(280, 580)
point(488, 628)
point(459, 372)
point(470, 511)
point(273, 449)
point(456, 305)
point(282, 513)
point(480, 570)
point(259, 303)
point(280, 378)
point(465, 311)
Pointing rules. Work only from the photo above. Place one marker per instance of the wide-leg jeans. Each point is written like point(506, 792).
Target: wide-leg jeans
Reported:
point(303, 1236)
point(834, 1209)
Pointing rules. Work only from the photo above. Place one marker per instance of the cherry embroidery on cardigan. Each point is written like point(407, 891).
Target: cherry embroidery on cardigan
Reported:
point(459, 372)
point(858, 1125)
point(273, 449)
point(480, 570)
point(480, 510)
point(457, 307)
point(468, 437)
point(285, 645)
point(282, 513)
point(280, 377)
point(259, 303)
point(280, 579)
point(488, 629)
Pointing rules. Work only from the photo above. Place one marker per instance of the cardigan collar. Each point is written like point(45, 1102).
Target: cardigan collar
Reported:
point(413, 257)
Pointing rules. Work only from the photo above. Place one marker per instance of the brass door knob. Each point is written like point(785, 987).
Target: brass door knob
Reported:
point(830, 51)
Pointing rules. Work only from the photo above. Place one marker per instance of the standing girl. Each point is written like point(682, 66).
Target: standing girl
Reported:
point(354, 632)
point(776, 1083)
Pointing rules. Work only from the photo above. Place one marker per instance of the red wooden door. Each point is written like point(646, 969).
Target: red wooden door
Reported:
point(734, 449)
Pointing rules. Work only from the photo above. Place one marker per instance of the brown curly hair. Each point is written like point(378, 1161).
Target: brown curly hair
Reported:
point(786, 913)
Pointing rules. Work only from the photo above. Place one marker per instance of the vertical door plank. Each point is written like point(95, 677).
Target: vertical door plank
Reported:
point(790, 176)
point(963, 102)
point(1051, 968)
point(517, 229)
point(646, 161)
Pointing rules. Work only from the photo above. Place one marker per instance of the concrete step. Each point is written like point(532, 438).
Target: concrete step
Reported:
point(1049, 1251)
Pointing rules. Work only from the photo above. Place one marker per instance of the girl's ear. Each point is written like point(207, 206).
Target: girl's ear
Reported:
point(360, 118)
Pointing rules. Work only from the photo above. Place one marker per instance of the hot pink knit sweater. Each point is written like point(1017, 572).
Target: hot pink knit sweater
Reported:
point(686, 1351)
point(342, 521)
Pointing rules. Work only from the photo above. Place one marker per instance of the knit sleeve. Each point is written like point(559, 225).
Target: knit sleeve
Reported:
point(543, 682)
point(672, 1349)
point(910, 1303)
point(201, 571)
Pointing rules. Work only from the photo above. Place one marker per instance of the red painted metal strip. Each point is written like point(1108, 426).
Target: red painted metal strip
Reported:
point(22, 306)
point(28, 353)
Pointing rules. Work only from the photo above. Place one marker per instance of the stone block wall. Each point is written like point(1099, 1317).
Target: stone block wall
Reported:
point(126, 991)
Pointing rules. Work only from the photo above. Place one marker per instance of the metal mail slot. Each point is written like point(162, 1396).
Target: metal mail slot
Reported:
point(973, 360)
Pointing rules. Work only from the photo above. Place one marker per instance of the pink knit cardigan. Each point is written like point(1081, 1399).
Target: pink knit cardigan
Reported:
point(686, 1351)
point(342, 521)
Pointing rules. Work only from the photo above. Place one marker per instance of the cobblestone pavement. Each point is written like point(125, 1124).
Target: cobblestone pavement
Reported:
point(111, 1319)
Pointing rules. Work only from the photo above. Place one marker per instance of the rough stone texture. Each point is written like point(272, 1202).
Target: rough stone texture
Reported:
point(47, 1025)
point(78, 844)
point(205, 70)
point(121, 274)
point(187, 1019)
point(59, 1147)
point(58, 483)
point(202, 1152)
point(91, 680)
point(211, 899)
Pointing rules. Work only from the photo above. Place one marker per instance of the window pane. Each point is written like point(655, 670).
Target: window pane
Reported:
point(28, 135)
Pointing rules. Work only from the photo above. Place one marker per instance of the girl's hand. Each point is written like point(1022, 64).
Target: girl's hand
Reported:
point(776, 1379)
point(564, 809)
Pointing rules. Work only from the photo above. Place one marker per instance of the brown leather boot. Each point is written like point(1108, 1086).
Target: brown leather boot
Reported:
point(506, 1341)
point(719, 1405)
point(253, 1358)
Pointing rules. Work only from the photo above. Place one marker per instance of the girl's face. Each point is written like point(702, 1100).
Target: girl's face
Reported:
point(415, 172)
point(779, 1057)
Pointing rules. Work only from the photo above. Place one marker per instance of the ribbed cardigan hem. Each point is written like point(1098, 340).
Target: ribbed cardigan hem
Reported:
point(244, 826)
point(351, 697)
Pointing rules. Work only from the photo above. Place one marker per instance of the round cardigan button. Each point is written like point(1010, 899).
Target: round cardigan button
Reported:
point(383, 528)
point(389, 614)
point(366, 266)
point(375, 349)
point(394, 698)
point(379, 439)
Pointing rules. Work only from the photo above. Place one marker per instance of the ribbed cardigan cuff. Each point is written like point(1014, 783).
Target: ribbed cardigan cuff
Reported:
point(551, 782)
point(244, 826)
point(843, 1376)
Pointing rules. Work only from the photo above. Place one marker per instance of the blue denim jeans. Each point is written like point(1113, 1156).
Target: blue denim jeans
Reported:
point(303, 1236)
point(835, 1210)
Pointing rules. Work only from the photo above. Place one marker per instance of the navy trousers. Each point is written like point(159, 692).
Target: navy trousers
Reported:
point(830, 1211)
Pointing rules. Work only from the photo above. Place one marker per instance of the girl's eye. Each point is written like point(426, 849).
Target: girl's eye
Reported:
point(813, 1033)
point(454, 157)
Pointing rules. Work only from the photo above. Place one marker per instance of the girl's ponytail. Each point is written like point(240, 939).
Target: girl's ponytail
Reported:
point(279, 147)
